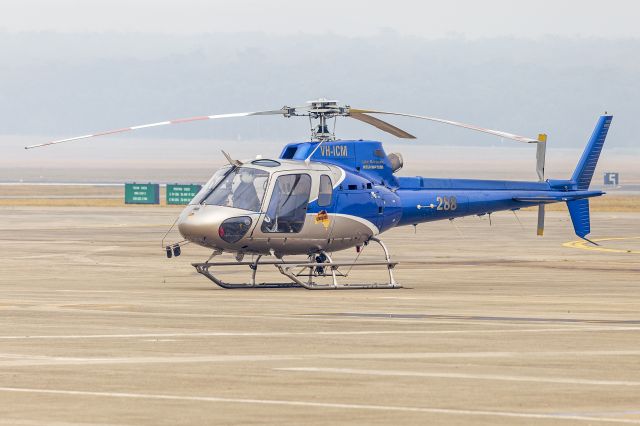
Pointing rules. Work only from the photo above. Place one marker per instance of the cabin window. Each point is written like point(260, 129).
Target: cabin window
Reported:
point(289, 152)
point(288, 206)
point(326, 191)
point(242, 188)
point(266, 163)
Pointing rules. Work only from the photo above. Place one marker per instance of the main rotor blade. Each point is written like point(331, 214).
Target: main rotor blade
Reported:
point(382, 125)
point(449, 122)
point(282, 111)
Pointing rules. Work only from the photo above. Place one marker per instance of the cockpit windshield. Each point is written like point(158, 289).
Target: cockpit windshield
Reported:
point(212, 183)
point(241, 188)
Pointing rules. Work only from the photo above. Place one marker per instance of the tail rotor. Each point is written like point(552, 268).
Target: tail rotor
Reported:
point(541, 152)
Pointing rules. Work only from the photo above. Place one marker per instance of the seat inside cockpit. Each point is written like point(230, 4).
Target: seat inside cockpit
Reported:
point(241, 188)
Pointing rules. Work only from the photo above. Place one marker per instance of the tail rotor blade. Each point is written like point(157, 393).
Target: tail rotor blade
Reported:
point(541, 151)
point(540, 219)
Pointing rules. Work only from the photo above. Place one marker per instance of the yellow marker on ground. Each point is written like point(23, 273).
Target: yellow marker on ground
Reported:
point(585, 245)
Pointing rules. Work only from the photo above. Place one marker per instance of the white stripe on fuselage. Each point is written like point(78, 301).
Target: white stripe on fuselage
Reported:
point(361, 220)
point(343, 176)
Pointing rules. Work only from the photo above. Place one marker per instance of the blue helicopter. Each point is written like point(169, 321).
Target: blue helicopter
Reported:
point(326, 195)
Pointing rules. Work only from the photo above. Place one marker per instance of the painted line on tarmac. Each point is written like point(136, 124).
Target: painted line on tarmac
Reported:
point(310, 333)
point(76, 227)
point(585, 245)
point(13, 360)
point(490, 354)
point(26, 360)
point(482, 318)
point(347, 317)
point(465, 376)
point(295, 318)
point(601, 413)
point(313, 404)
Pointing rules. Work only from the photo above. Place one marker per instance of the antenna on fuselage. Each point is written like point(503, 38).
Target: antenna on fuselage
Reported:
point(517, 218)
point(236, 163)
point(451, 220)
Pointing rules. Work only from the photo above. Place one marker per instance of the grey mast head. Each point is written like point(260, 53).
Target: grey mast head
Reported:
point(322, 109)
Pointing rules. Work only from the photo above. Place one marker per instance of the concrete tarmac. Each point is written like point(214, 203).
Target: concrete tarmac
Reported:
point(493, 326)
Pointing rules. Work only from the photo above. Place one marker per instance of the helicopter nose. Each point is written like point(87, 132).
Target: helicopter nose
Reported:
point(213, 225)
point(197, 225)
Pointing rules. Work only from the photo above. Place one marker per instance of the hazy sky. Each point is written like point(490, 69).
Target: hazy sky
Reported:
point(432, 19)
point(74, 67)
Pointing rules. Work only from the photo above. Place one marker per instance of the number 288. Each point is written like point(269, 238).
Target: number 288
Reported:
point(447, 203)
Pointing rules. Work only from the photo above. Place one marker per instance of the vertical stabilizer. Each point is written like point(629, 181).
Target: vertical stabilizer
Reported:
point(587, 164)
point(579, 211)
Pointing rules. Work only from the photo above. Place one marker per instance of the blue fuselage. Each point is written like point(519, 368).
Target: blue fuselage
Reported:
point(425, 200)
point(374, 193)
point(417, 200)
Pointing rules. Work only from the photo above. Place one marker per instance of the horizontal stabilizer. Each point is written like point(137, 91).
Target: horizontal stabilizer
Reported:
point(554, 199)
point(541, 199)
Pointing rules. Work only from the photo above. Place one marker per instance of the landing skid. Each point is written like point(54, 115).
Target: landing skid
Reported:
point(302, 274)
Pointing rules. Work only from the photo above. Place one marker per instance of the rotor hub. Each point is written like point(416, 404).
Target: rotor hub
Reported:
point(321, 110)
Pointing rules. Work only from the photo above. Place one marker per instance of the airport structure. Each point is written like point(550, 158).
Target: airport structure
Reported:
point(181, 194)
point(149, 193)
point(141, 193)
point(611, 179)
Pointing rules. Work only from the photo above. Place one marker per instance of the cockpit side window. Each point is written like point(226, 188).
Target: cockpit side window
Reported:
point(288, 206)
point(242, 188)
point(326, 191)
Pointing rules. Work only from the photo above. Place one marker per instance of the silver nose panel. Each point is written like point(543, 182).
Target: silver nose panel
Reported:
point(197, 224)
point(200, 224)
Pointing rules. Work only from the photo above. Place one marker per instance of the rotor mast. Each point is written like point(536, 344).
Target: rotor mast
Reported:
point(321, 110)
